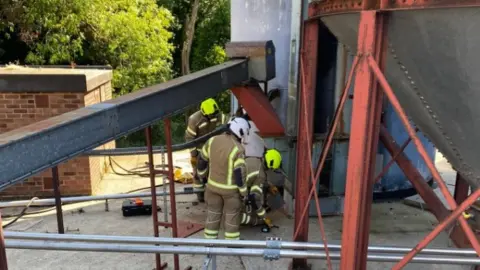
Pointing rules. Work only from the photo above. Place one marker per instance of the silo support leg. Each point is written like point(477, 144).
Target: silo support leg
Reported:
point(366, 112)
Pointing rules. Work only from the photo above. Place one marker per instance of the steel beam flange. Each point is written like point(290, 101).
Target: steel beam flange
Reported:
point(42, 145)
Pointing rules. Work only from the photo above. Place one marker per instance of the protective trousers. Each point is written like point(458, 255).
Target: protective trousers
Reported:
point(197, 183)
point(250, 217)
point(226, 203)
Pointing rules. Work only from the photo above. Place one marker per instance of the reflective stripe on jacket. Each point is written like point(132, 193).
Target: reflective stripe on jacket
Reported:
point(199, 125)
point(226, 163)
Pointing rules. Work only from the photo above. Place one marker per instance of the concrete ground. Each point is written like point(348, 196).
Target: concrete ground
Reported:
point(393, 224)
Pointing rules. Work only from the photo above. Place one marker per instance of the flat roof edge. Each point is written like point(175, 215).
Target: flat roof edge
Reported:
point(53, 82)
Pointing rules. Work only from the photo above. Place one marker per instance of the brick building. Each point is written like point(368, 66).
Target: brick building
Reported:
point(29, 95)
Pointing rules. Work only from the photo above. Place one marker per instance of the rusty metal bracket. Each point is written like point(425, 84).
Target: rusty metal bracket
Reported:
point(187, 228)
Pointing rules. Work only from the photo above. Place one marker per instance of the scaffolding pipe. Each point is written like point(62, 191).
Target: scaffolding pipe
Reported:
point(47, 202)
point(219, 243)
point(224, 251)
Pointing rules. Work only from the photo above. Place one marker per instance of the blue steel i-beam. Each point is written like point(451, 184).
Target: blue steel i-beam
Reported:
point(42, 145)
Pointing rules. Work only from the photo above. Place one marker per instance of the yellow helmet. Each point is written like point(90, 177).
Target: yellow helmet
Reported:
point(209, 106)
point(273, 159)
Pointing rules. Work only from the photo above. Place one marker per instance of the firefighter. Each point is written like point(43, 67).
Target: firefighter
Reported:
point(202, 122)
point(254, 212)
point(222, 162)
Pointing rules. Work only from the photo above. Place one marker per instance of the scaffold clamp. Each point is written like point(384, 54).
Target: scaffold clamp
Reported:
point(272, 252)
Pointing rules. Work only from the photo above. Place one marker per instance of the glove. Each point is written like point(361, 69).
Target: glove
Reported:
point(194, 153)
point(193, 161)
point(268, 222)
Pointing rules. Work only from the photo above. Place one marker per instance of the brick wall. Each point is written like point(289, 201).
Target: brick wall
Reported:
point(80, 176)
point(99, 165)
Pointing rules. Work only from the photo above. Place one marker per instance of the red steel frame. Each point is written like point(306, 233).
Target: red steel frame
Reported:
point(188, 228)
point(305, 124)
point(366, 130)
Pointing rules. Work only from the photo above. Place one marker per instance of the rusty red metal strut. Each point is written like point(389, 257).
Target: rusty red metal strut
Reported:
point(392, 161)
point(366, 112)
point(328, 142)
point(151, 168)
point(421, 149)
point(171, 184)
point(455, 215)
point(461, 189)
point(421, 186)
point(310, 162)
point(305, 122)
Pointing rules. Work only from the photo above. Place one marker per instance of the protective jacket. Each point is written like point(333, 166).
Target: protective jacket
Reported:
point(256, 177)
point(222, 162)
point(226, 169)
point(199, 125)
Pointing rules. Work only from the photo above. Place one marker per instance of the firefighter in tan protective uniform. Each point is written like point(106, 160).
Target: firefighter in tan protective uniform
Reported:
point(253, 212)
point(202, 122)
point(222, 160)
point(258, 160)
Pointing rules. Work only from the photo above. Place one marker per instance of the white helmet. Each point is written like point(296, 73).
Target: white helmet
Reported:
point(255, 146)
point(240, 127)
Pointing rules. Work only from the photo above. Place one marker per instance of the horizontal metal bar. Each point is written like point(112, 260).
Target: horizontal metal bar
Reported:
point(42, 145)
point(156, 149)
point(41, 245)
point(45, 202)
point(219, 243)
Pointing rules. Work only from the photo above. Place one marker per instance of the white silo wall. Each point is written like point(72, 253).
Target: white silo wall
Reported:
point(255, 20)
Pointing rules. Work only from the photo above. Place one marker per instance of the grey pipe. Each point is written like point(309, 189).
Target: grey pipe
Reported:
point(45, 202)
point(156, 149)
point(218, 243)
point(222, 251)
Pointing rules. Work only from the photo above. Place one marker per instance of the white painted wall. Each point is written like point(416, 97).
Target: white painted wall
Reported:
point(256, 20)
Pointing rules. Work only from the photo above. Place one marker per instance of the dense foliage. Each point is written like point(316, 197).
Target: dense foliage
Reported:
point(140, 40)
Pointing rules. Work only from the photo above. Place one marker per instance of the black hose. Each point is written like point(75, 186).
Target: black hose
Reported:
point(25, 213)
point(156, 149)
point(121, 152)
point(21, 213)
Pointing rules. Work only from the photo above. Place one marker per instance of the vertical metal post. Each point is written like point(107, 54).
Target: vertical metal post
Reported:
point(151, 168)
point(460, 195)
point(362, 150)
point(3, 253)
point(461, 189)
point(58, 199)
point(305, 122)
point(171, 183)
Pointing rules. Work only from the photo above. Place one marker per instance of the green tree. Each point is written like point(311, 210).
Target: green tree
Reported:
point(211, 35)
point(131, 36)
point(141, 40)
